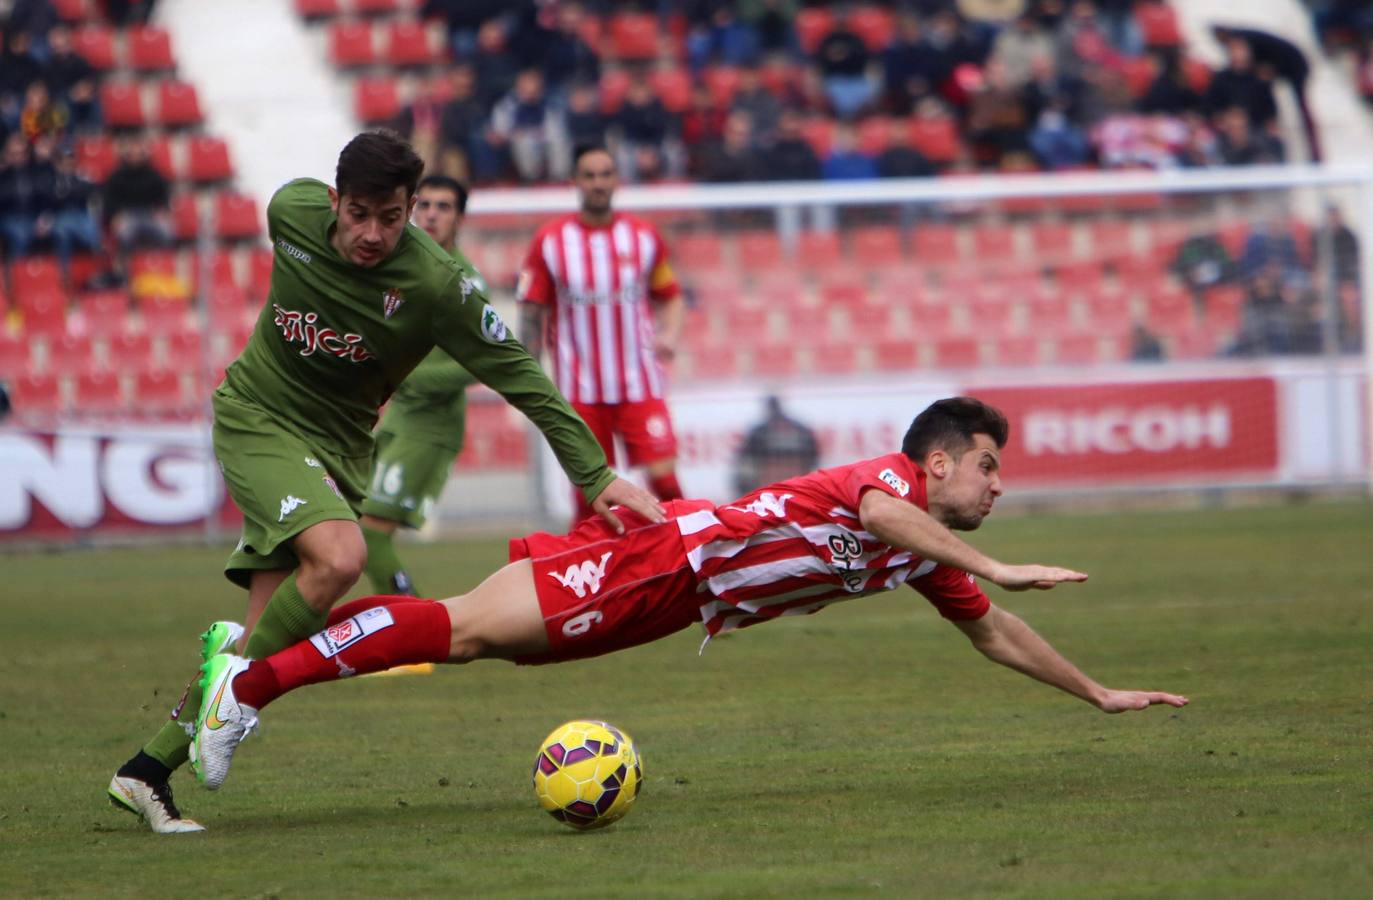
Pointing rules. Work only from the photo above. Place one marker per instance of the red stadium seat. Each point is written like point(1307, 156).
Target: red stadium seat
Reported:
point(1234, 235)
point(932, 318)
point(160, 155)
point(130, 350)
point(236, 216)
point(774, 361)
point(186, 348)
point(1048, 311)
point(874, 134)
point(992, 315)
point(1020, 350)
point(994, 242)
point(158, 390)
point(222, 270)
point(376, 7)
point(870, 319)
point(1140, 72)
point(98, 390)
point(95, 44)
point(1077, 349)
point(259, 274)
point(1158, 24)
point(161, 261)
point(818, 250)
point(819, 133)
point(778, 76)
point(936, 245)
point(1198, 74)
point(104, 311)
point(376, 99)
point(209, 159)
point(895, 355)
point(95, 156)
point(723, 83)
point(43, 312)
point(876, 246)
point(1051, 241)
point(720, 361)
point(178, 105)
point(162, 315)
point(633, 36)
point(813, 24)
point(73, 10)
point(874, 25)
point(937, 139)
point(407, 44)
point(1168, 310)
point(834, 358)
point(698, 251)
point(1193, 343)
point(39, 393)
point(122, 104)
point(1224, 308)
point(228, 307)
point(317, 9)
point(68, 353)
point(760, 249)
point(150, 49)
point(34, 273)
point(350, 44)
point(1108, 311)
point(673, 87)
point(185, 217)
point(1079, 277)
point(1110, 237)
point(747, 322)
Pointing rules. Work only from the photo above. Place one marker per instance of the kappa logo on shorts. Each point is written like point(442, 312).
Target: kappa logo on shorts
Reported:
point(493, 327)
point(582, 577)
point(289, 505)
point(334, 639)
point(896, 482)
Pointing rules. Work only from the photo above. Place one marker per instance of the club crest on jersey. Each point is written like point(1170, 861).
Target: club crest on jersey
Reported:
point(895, 482)
point(493, 327)
point(584, 577)
point(391, 301)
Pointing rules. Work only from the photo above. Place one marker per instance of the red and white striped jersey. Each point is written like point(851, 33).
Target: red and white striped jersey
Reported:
point(598, 281)
point(798, 545)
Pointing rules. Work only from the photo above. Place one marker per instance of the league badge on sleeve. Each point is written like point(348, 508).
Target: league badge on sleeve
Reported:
point(391, 301)
point(493, 327)
point(895, 482)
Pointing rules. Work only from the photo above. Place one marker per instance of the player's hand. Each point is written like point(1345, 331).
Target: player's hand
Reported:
point(623, 493)
point(1041, 578)
point(1120, 701)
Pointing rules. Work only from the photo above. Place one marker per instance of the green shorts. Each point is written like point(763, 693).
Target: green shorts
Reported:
point(408, 477)
point(281, 482)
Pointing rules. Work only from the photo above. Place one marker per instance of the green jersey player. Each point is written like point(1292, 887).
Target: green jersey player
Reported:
point(422, 431)
point(359, 296)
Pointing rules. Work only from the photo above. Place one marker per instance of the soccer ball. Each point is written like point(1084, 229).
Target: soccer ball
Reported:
point(587, 774)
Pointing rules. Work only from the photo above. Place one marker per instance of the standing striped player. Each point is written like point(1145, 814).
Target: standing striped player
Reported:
point(793, 547)
point(585, 292)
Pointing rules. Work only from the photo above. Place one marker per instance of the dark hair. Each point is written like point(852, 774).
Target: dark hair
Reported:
point(583, 149)
point(375, 163)
point(443, 182)
point(950, 424)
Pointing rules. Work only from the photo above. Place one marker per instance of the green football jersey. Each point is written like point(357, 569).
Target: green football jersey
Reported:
point(335, 339)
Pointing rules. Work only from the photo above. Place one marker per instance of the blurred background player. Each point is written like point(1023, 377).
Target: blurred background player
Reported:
point(777, 448)
point(421, 433)
point(584, 292)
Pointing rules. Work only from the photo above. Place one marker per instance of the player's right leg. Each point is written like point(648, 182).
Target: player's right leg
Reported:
point(599, 417)
point(408, 475)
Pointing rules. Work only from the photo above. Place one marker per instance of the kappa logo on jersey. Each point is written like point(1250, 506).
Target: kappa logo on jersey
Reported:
point(583, 577)
point(289, 505)
point(767, 504)
point(304, 328)
point(292, 250)
point(896, 482)
point(493, 327)
point(466, 285)
point(341, 635)
point(312, 462)
point(391, 301)
point(845, 548)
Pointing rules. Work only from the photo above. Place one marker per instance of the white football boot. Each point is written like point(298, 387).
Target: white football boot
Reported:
point(222, 723)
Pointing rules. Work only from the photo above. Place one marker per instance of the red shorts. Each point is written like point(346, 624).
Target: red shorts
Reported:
point(601, 592)
point(645, 427)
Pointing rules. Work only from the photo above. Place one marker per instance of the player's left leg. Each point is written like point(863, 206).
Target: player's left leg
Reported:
point(407, 479)
point(599, 417)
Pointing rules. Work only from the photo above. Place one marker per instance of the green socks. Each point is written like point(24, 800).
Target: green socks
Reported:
point(384, 567)
point(287, 619)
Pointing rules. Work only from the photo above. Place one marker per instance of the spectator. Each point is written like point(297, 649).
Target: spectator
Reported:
point(703, 125)
point(136, 199)
point(72, 80)
point(998, 118)
point(1343, 245)
point(791, 157)
point(586, 124)
point(734, 157)
point(1268, 317)
point(774, 23)
point(34, 18)
point(1171, 93)
point(762, 106)
point(495, 69)
point(1203, 263)
point(462, 125)
point(19, 68)
point(1201, 147)
point(845, 162)
point(1084, 50)
point(1239, 85)
point(1118, 23)
point(1018, 45)
point(564, 53)
point(1241, 145)
point(40, 117)
point(1144, 344)
point(420, 121)
point(1270, 248)
point(1058, 143)
point(531, 131)
point(775, 449)
point(72, 227)
point(1275, 57)
point(1048, 86)
point(129, 12)
point(465, 19)
point(912, 68)
point(24, 194)
point(643, 125)
point(842, 58)
point(725, 39)
point(901, 159)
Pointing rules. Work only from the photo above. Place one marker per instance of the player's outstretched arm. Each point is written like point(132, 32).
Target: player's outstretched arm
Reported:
point(1004, 638)
point(901, 524)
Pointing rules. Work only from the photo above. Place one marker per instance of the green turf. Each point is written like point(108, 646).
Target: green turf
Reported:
point(867, 750)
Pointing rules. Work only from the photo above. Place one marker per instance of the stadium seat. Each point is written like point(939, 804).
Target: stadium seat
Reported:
point(15, 356)
point(1158, 24)
point(121, 102)
point(813, 23)
point(1079, 277)
point(760, 249)
point(376, 99)
point(1139, 72)
point(149, 49)
point(407, 44)
point(145, 261)
point(317, 9)
point(720, 361)
point(34, 273)
point(723, 83)
point(36, 393)
point(73, 10)
point(834, 358)
point(162, 315)
point(259, 274)
point(1077, 349)
point(891, 355)
point(1168, 310)
point(1048, 312)
point(376, 7)
point(160, 155)
point(778, 76)
point(994, 242)
point(818, 131)
point(68, 353)
point(1198, 74)
point(633, 36)
point(350, 44)
point(1051, 241)
point(208, 159)
point(185, 349)
point(746, 322)
point(673, 87)
point(877, 246)
point(222, 270)
point(1019, 350)
point(931, 318)
point(936, 245)
point(98, 390)
point(95, 44)
point(818, 250)
point(130, 350)
point(991, 314)
point(1108, 311)
point(43, 312)
point(95, 156)
point(228, 307)
point(1233, 235)
point(104, 311)
point(178, 105)
point(1110, 237)
point(874, 134)
point(1192, 343)
point(774, 361)
point(874, 25)
point(1224, 308)
point(157, 390)
point(185, 217)
point(937, 139)
point(869, 320)
point(700, 250)
point(236, 216)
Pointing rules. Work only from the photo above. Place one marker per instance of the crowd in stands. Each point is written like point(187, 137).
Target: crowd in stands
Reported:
point(734, 90)
point(49, 101)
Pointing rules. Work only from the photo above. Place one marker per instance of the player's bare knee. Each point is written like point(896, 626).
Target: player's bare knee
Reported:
point(336, 569)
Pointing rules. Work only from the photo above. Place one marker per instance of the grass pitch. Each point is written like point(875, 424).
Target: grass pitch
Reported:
point(866, 750)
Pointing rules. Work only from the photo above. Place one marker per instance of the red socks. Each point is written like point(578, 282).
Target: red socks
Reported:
point(665, 487)
point(366, 635)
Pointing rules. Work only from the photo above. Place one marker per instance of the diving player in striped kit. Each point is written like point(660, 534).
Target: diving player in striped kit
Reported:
point(792, 547)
